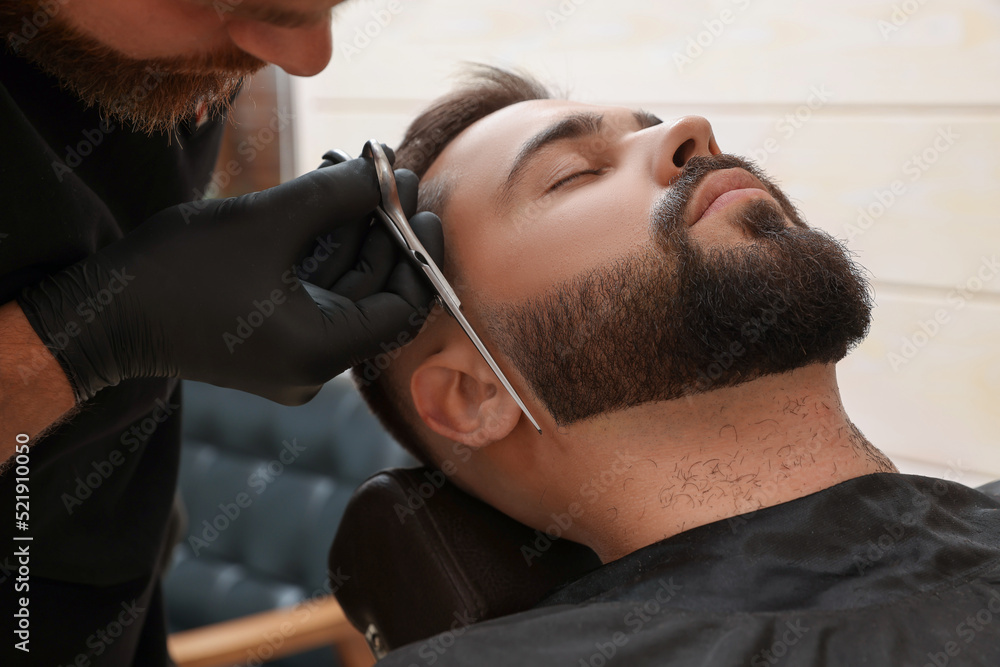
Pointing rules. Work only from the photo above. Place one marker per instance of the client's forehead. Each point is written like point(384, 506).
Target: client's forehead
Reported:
point(498, 136)
point(478, 159)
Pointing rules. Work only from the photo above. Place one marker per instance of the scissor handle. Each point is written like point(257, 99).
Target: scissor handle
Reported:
point(400, 225)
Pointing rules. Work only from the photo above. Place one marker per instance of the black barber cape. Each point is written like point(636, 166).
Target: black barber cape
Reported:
point(885, 569)
point(101, 486)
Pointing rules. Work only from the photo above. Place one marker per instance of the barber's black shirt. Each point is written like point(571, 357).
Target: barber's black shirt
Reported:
point(101, 485)
point(885, 569)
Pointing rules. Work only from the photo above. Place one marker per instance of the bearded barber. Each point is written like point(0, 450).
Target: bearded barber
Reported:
point(114, 285)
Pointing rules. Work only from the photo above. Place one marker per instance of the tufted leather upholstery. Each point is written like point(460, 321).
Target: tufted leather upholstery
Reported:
point(454, 559)
point(294, 469)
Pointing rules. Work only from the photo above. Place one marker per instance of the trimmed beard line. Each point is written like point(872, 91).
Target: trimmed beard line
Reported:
point(678, 320)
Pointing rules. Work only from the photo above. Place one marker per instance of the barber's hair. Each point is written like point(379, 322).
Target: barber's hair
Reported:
point(484, 90)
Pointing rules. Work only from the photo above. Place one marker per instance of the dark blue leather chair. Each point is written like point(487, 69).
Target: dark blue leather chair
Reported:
point(264, 487)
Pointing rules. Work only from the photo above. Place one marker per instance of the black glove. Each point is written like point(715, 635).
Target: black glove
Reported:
point(273, 292)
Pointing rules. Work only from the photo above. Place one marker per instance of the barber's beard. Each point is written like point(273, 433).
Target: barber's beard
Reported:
point(151, 95)
point(682, 319)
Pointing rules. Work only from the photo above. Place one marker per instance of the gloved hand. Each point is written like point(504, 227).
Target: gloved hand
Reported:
point(273, 292)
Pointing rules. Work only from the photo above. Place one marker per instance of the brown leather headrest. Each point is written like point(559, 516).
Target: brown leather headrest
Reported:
point(415, 556)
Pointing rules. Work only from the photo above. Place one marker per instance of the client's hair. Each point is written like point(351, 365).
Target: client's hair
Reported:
point(484, 90)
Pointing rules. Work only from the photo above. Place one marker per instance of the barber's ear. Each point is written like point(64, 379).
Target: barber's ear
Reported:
point(458, 396)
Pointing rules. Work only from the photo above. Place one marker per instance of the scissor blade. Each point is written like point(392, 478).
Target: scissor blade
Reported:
point(391, 212)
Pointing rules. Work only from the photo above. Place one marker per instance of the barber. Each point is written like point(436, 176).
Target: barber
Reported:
point(115, 285)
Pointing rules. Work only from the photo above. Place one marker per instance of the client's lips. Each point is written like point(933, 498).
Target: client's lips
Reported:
point(720, 188)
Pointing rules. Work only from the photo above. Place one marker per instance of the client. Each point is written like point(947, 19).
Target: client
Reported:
point(673, 323)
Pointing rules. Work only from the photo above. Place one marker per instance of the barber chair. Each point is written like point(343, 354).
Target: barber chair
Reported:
point(253, 588)
point(424, 557)
point(257, 590)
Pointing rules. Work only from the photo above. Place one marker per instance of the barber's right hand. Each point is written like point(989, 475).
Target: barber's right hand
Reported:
point(273, 292)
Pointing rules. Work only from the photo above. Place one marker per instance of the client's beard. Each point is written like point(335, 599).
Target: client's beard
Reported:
point(151, 95)
point(680, 319)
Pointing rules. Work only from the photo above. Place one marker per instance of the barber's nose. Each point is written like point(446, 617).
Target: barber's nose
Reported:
point(679, 142)
point(300, 51)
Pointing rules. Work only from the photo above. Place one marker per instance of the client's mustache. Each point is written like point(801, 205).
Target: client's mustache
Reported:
point(668, 216)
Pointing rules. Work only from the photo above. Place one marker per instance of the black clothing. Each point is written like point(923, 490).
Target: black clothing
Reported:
point(102, 484)
point(884, 569)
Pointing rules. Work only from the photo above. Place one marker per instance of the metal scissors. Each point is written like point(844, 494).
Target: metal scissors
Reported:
point(391, 212)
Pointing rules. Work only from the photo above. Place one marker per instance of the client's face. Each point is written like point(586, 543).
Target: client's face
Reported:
point(616, 261)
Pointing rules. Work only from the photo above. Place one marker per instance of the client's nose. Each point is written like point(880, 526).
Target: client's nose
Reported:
point(680, 141)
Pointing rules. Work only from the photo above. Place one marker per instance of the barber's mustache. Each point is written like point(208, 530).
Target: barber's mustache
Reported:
point(670, 209)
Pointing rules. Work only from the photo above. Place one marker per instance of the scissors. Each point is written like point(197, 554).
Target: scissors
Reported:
point(391, 212)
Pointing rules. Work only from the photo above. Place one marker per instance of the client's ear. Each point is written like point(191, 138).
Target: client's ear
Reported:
point(459, 397)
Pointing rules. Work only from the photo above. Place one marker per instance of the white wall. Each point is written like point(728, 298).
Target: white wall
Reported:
point(886, 81)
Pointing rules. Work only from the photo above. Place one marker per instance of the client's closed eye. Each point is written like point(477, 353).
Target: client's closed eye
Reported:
point(572, 177)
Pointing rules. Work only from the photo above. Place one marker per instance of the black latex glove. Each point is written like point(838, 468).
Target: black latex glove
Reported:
point(273, 292)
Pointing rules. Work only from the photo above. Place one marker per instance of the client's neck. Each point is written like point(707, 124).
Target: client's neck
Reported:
point(692, 461)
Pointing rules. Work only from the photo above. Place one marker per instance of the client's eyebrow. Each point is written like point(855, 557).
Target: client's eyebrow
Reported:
point(580, 125)
point(575, 126)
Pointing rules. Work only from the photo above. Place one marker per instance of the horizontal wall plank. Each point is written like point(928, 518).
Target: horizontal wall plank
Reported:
point(925, 382)
point(735, 50)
